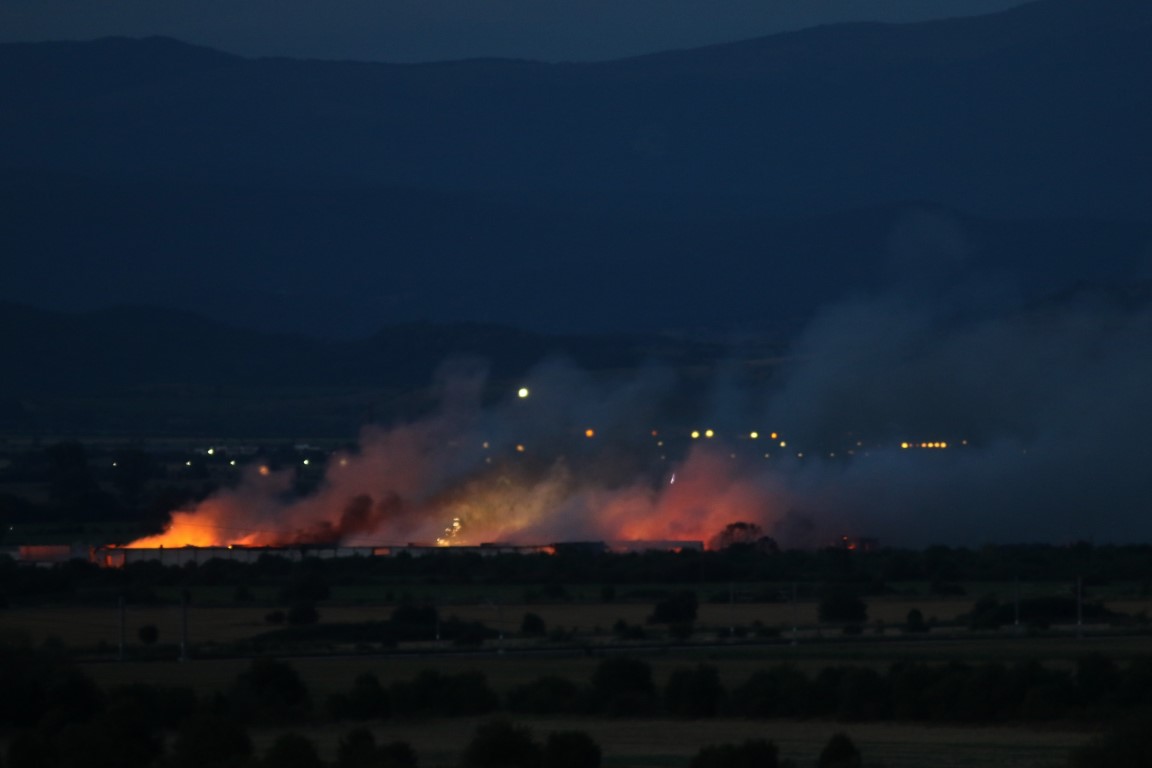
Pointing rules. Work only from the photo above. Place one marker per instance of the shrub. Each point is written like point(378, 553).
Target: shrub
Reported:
point(570, 749)
point(210, 741)
point(270, 691)
point(694, 692)
point(839, 752)
point(533, 625)
point(500, 744)
point(433, 694)
point(367, 700)
point(291, 750)
point(624, 687)
point(754, 753)
point(548, 695)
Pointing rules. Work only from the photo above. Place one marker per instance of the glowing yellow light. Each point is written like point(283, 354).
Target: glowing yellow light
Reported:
point(783, 444)
point(589, 433)
point(233, 462)
point(754, 435)
point(943, 445)
point(709, 433)
point(305, 462)
point(905, 446)
point(520, 449)
point(695, 434)
point(264, 471)
point(187, 463)
point(522, 392)
point(773, 435)
point(485, 445)
point(211, 451)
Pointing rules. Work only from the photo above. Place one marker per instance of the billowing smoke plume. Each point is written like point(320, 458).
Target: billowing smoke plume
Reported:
point(939, 410)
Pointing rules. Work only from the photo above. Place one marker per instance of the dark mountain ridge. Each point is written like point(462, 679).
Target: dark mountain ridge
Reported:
point(728, 187)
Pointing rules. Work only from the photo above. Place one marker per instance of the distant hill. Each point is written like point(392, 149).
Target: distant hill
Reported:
point(733, 187)
point(133, 371)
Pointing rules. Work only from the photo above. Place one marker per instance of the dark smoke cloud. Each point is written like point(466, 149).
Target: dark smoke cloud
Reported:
point(1046, 410)
point(1052, 398)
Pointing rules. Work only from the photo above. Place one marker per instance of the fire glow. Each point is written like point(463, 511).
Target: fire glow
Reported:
point(428, 482)
point(502, 503)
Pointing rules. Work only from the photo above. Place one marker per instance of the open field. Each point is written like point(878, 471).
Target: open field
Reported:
point(663, 743)
point(95, 629)
point(641, 743)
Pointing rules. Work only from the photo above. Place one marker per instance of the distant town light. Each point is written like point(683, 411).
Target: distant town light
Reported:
point(709, 433)
point(589, 433)
point(695, 434)
point(211, 451)
point(520, 449)
point(305, 462)
point(522, 392)
point(754, 435)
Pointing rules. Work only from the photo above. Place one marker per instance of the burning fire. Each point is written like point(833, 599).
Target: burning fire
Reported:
point(432, 482)
point(506, 502)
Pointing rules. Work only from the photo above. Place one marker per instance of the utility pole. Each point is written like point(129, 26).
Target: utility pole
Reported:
point(185, 598)
point(123, 620)
point(1079, 606)
point(795, 617)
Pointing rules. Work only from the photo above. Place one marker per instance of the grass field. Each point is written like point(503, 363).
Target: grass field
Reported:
point(664, 743)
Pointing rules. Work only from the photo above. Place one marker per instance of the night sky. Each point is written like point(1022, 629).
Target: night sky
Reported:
point(430, 30)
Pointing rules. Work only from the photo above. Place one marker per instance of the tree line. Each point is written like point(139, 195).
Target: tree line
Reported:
point(57, 717)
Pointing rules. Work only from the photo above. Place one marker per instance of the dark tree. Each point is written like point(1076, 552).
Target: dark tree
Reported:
point(270, 691)
point(533, 625)
point(148, 634)
point(302, 614)
point(754, 753)
point(694, 692)
point(291, 750)
point(548, 695)
point(915, 621)
point(211, 741)
point(623, 686)
point(570, 749)
point(358, 750)
point(839, 752)
point(500, 744)
point(367, 700)
point(434, 694)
